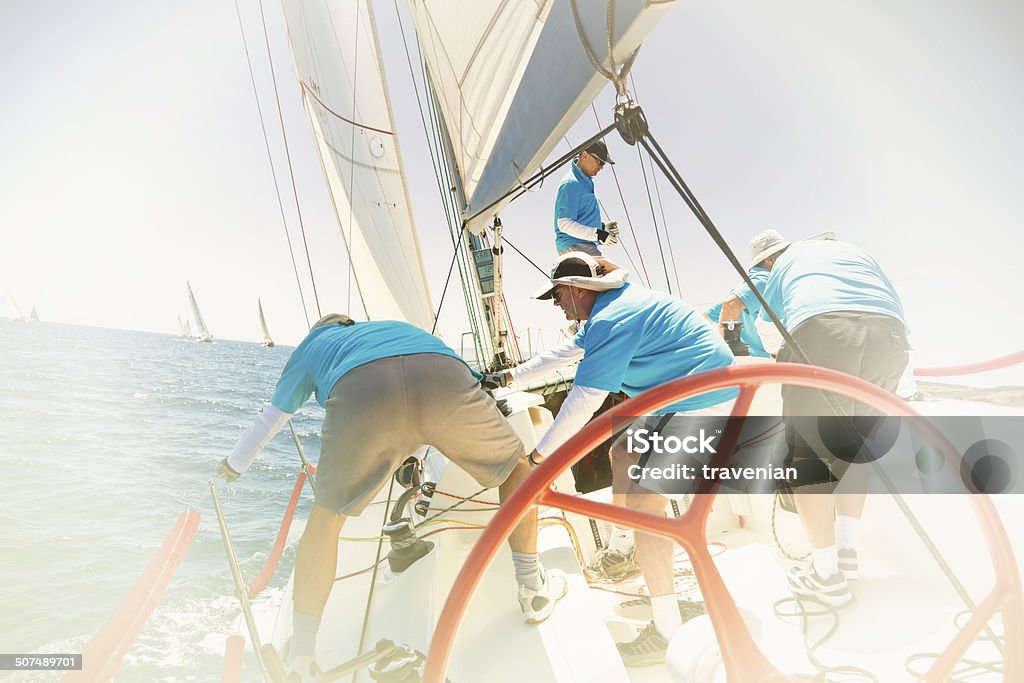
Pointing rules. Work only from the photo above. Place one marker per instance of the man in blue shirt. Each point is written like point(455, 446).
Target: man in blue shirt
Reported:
point(845, 314)
point(741, 304)
point(388, 388)
point(633, 339)
point(578, 225)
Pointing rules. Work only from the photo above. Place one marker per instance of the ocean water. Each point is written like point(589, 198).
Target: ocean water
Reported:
point(108, 435)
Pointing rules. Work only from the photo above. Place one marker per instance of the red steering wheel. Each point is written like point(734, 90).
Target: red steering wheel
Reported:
point(744, 662)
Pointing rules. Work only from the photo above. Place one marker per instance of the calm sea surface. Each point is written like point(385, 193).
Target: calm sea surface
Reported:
point(107, 436)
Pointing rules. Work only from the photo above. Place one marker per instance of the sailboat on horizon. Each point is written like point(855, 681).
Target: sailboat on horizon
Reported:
point(34, 315)
point(18, 317)
point(267, 340)
point(202, 333)
point(184, 327)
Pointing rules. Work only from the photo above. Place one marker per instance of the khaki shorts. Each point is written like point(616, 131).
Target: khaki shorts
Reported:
point(380, 413)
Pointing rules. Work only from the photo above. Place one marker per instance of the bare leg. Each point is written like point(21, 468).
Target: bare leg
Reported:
point(316, 561)
point(523, 538)
point(817, 513)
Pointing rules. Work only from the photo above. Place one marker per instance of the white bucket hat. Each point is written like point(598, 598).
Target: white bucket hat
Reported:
point(764, 245)
point(579, 269)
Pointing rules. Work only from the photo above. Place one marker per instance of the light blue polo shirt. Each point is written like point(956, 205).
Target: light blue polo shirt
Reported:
point(330, 351)
point(637, 339)
point(748, 333)
point(576, 200)
point(825, 276)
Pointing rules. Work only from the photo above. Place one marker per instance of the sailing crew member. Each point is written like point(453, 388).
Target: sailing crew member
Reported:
point(633, 339)
point(578, 225)
point(742, 305)
point(388, 388)
point(845, 314)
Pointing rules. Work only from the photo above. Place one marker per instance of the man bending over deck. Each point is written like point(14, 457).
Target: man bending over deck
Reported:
point(633, 339)
point(388, 388)
point(845, 314)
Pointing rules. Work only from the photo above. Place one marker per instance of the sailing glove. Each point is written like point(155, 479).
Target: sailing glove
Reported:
point(226, 471)
point(608, 233)
point(494, 380)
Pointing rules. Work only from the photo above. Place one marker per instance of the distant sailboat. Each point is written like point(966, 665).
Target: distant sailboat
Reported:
point(19, 317)
point(267, 341)
point(33, 316)
point(202, 334)
point(184, 328)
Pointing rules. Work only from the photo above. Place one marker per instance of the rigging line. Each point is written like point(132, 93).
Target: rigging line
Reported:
point(661, 205)
point(680, 186)
point(528, 259)
point(629, 257)
point(288, 156)
point(270, 160)
point(351, 168)
point(447, 280)
point(668, 233)
point(625, 209)
point(419, 102)
point(373, 577)
point(654, 218)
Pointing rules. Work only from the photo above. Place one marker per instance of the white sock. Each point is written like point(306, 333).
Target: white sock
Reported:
point(304, 630)
point(825, 561)
point(847, 531)
point(666, 615)
point(621, 540)
point(528, 570)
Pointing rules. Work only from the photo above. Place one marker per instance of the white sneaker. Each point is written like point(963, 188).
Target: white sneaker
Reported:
point(537, 605)
point(303, 669)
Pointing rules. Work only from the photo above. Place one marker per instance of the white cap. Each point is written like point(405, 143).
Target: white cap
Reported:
point(764, 245)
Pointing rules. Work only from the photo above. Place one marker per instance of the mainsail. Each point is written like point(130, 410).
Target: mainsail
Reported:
point(34, 316)
point(202, 334)
point(334, 47)
point(511, 78)
point(267, 341)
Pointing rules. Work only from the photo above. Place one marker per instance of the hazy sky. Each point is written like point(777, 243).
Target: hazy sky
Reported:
point(132, 160)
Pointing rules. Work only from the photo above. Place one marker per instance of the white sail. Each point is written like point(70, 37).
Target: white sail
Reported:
point(202, 334)
point(511, 78)
point(183, 328)
point(18, 315)
point(34, 315)
point(267, 341)
point(334, 47)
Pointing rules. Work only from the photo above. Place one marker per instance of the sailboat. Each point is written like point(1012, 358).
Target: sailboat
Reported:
point(494, 134)
point(202, 333)
point(267, 341)
point(507, 80)
point(34, 316)
point(184, 328)
point(19, 317)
